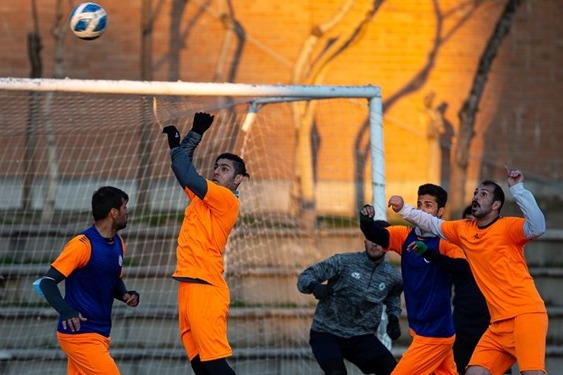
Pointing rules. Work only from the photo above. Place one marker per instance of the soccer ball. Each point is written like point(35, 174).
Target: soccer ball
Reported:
point(88, 21)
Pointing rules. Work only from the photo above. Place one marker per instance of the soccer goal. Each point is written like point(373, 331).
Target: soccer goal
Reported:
point(314, 154)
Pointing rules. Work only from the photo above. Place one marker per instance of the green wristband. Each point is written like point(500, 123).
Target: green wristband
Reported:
point(420, 247)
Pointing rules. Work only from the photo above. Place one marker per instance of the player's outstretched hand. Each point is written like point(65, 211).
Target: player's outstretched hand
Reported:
point(396, 202)
point(367, 211)
point(173, 136)
point(202, 122)
point(514, 176)
point(393, 327)
point(321, 291)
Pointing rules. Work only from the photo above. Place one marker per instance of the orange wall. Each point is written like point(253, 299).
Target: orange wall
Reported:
point(406, 48)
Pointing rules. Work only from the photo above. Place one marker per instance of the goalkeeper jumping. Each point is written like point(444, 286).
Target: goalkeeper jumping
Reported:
point(203, 294)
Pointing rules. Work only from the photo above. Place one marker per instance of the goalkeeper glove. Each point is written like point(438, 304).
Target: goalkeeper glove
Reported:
point(420, 248)
point(393, 327)
point(321, 291)
point(202, 122)
point(173, 136)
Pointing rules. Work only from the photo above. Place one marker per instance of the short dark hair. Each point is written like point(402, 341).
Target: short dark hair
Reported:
point(106, 198)
point(240, 167)
point(498, 194)
point(436, 191)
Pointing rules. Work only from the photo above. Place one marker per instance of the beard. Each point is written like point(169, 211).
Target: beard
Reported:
point(476, 210)
point(375, 258)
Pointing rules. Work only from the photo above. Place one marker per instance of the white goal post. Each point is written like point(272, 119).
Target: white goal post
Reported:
point(63, 138)
point(281, 92)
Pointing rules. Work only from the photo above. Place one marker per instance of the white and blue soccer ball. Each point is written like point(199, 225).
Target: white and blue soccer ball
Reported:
point(88, 21)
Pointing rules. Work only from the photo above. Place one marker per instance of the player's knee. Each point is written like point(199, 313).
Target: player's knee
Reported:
point(218, 367)
point(197, 367)
point(334, 367)
point(381, 367)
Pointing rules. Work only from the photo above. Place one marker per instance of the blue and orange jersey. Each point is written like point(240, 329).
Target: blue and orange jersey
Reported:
point(204, 233)
point(92, 268)
point(427, 287)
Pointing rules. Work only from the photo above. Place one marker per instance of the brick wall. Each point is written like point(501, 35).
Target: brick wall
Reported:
point(405, 48)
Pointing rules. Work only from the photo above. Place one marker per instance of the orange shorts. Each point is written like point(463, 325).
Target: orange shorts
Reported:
point(202, 314)
point(87, 353)
point(521, 339)
point(426, 356)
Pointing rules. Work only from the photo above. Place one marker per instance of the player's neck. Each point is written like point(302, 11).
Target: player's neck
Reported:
point(488, 220)
point(105, 230)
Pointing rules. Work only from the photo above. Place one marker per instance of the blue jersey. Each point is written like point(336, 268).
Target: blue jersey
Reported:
point(427, 290)
point(91, 287)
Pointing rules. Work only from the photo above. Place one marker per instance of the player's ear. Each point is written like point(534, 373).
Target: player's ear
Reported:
point(440, 212)
point(238, 179)
point(496, 205)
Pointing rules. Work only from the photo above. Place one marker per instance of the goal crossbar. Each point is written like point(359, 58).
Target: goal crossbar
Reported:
point(187, 88)
point(292, 92)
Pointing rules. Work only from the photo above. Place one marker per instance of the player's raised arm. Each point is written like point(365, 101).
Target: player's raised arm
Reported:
point(373, 230)
point(182, 153)
point(421, 219)
point(534, 226)
point(396, 202)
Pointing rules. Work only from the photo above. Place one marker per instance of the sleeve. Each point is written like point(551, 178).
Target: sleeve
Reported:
point(120, 290)
point(425, 221)
point(50, 291)
point(393, 300)
point(183, 167)
point(75, 254)
point(317, 274)
point(220, 199)
point(534, 225)
point(453, 265)
point(374, 232)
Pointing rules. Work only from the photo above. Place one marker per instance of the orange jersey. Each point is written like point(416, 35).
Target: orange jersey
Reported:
point(399, 233)
point(496, 257)
point(204, 233)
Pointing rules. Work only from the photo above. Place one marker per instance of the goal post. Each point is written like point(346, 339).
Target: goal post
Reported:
point(278, 92)
point(62, 139)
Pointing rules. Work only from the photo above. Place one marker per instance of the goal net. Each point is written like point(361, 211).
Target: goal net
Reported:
point(314, 154)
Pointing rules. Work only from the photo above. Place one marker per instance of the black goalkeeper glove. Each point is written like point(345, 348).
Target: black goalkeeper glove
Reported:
point(321, 291)
point(393, 327)
point(173, 136)
point(202, 122)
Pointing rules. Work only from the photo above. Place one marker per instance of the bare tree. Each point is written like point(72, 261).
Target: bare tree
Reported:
point(416, 82)
point(322, 47)
point(468, 112)
point(59, 31)
point(34, 47)
point(144, 169)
